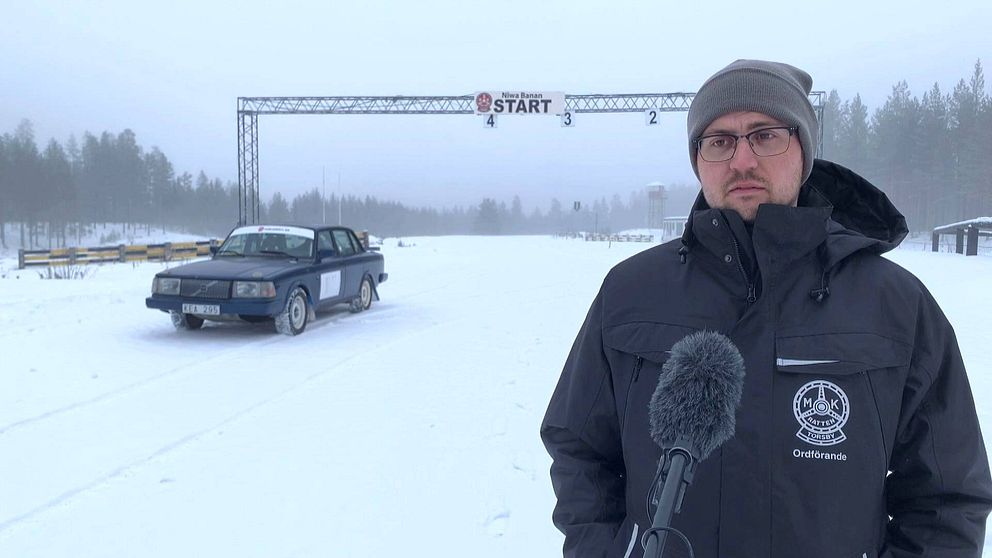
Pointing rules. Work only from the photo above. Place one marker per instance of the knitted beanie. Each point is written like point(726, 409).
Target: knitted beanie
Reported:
point(773, 88)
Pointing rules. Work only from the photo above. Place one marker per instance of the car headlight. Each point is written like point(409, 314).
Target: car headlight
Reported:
point(166, 285)
point(254, 289)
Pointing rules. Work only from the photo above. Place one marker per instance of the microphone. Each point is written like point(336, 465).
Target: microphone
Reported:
point(691, 413)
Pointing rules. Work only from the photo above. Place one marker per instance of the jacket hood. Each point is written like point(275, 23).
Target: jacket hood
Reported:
point(861, 218)
point(860, 208)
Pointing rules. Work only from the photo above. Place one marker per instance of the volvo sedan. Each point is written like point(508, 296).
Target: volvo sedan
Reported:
point(272, 272)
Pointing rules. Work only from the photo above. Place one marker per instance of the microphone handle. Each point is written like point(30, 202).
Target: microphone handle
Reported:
point(671, 494)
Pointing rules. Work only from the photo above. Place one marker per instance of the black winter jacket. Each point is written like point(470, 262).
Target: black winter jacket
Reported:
point(897, 468)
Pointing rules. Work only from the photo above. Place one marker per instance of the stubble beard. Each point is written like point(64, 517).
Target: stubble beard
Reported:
point(748, 209)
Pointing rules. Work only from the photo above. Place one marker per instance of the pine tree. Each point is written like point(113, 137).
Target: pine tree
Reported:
point(487, 218)
point(852, 148)
point(278, 209)
point(554, 218)
point(25, 175)
point(933, 160)
point(57, 192)
point(894, 134)
point(517, 220)
point(5, 198)
point(967, 151)
point(161, 186)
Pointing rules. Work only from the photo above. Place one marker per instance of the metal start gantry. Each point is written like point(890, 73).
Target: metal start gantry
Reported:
point(249, 108)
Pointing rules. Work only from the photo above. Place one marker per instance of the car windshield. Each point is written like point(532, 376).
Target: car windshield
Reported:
point(265, 243)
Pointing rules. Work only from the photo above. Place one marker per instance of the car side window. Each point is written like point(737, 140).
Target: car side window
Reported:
point(359, 247)
point(299, 246)
point(324, 241)
point(341, 238)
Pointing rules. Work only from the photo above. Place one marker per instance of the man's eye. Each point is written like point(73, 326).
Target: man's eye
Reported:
point(766, 135)
point(719, 141)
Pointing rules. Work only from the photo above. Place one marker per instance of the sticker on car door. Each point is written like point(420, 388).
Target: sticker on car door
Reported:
point(330, 284)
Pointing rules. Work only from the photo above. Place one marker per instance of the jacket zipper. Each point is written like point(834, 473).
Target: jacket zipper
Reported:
point(633, 540)
point(751, 298)
point(638, 362)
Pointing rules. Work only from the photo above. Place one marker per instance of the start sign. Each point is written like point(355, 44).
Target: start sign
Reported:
point(519, 102)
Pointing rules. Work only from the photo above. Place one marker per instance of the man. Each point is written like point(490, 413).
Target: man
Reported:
point(856, 435)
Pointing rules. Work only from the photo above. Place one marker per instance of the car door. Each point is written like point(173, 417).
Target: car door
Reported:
point(331, 271)
point(347, 250)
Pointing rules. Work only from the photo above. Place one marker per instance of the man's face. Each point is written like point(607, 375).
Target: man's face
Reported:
point(747, 180)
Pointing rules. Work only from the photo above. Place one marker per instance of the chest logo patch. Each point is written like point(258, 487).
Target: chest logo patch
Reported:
point(822, 409)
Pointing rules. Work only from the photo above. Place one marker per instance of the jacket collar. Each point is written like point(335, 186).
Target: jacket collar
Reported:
point(781, 234)
point(837, 208)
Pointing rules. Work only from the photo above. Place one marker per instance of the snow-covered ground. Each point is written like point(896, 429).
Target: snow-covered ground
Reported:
point(411, 429)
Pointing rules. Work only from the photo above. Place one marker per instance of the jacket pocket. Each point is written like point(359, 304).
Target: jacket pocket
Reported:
point(638, 351)
point(839, 353)
point(833, 430)
point(825, 367)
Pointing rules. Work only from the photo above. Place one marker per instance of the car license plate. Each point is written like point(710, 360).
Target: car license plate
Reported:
point(206, 309)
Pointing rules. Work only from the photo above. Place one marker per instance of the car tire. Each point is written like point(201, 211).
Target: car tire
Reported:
point(293, 319)
point(185, 321)
point(364, 299)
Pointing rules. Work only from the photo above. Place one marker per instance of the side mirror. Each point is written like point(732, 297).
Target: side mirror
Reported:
point(213, 249)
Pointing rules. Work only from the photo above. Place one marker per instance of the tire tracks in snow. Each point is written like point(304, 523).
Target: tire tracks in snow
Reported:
point(237, 352)
point(181, 442)
point(123, 390)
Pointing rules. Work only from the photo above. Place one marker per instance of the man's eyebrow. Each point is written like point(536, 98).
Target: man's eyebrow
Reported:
point(750, 128)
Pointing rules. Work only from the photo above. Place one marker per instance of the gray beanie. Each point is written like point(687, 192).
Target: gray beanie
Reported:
point(773, 88)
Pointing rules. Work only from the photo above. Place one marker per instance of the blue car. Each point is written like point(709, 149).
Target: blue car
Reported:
point(272, 272)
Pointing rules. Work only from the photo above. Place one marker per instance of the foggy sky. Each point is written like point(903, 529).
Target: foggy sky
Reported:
point(172, 73)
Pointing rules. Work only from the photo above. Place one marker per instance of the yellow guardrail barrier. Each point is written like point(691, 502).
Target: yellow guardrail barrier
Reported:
point(167, 251)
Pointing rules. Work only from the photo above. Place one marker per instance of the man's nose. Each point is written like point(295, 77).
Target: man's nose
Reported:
point(744, 157)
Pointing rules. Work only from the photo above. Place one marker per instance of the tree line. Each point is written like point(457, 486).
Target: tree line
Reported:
point(58, 194)
point(929, 154)
point(490, 216)
point(932, 155)
point(61, 191)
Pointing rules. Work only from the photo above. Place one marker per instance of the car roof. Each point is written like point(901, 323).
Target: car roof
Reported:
point(322, 227)
point(329, 227)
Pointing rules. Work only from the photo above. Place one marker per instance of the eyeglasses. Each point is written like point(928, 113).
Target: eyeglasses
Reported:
point(765, 142)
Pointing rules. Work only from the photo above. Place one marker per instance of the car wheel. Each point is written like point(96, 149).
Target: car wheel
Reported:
point(185, 321)
point(293, 320)
point(364, 299)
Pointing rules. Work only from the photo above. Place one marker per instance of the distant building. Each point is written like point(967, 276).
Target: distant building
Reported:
point(672, 227)
point(656, 204)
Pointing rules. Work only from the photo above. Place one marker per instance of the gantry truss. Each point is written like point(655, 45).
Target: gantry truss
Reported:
point(249, 108)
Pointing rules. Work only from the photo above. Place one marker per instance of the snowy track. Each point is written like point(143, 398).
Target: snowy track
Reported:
point(416, 420)
point(107, 397)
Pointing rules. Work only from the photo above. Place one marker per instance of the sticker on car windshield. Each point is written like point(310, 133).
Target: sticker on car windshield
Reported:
point(274, 229)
